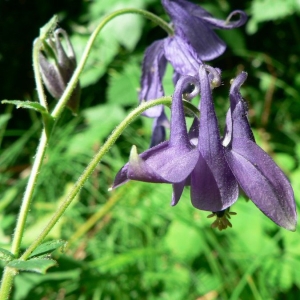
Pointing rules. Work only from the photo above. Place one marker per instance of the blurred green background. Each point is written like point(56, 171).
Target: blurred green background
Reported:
point(130, 243)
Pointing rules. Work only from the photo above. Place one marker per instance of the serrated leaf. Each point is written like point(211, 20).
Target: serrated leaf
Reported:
point(123, 87)
point(5, 255)
point(47, 118)
point(48, 247)
point(27, 104)
point(38, 265)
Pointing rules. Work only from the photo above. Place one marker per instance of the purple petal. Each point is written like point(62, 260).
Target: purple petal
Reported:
point(201, 38)
point(171, 161)
point(227, 24)
point(263, 182)
point(234, 94)
point(182, 56)
point(205, 193)
point(213, 186)
point(163, 163)
point(51, 77)
point(121, 177)
point(154, 66)
point(237, 123)
point(196, 25)
point(177, 192)
point(159, 129)
point(66, 61)
point(194, 132)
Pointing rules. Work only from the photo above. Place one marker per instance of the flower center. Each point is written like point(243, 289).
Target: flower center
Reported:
point(222, 219)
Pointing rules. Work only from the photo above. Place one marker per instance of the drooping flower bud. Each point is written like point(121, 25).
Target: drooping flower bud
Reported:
point(57, 67)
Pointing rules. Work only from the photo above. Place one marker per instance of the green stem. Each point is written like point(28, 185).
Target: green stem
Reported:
point(18, 234)
point(7, 282)
point(19, 230)
point(36, 67)
point(73, 82)
point(9, 273)
point(90, 168)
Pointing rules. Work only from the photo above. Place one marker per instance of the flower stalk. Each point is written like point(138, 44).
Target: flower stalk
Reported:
point(90, 168)
point(9, 273)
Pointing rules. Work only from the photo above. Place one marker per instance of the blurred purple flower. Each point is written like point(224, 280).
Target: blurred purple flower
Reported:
point(196, 26)
point(194, 41)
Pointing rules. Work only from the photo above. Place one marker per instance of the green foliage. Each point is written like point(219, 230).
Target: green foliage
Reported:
point(123, 31)
point(48, 247)
point(6, 255)
point(141, 248)
point(268, 10)
point(47, 118)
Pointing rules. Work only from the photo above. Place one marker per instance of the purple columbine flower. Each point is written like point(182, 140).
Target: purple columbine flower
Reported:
point(255, 171)
point(237, 160)
point(58, 66)
point(194, 41)
point(171, 161)
point(212, 167)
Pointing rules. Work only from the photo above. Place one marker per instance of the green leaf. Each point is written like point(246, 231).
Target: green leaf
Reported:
point(96, 131)
point(27, 104)
point(38, 265)
point(104, 50)
point(123, 87)
point(125, 29)
point(190, 110)
point(48, 247)
point(48, 120)
point(5, 255)
point(269, 10)
point(3, 119)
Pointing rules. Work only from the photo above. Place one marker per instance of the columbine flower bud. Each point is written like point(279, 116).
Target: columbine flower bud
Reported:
point(57, 67)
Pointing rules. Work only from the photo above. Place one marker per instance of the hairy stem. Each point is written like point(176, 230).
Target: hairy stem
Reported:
point(36, 67)
point(90, 168)
point(9, 273)
point(73, 82)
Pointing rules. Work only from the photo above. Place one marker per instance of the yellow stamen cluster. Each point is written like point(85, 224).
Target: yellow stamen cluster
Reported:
point(222, 217)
